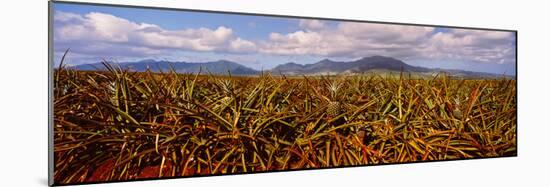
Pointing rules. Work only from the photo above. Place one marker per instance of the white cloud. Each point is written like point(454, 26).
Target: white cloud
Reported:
point(353, 39)
point(348, 39)
point(201, 39)
point(311, 24)
point(102, 33)
point(66, 16)
point(241, 45)
point(474, 45)
point(384, 32)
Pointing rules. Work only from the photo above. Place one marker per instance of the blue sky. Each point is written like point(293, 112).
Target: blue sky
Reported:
point(129, 34)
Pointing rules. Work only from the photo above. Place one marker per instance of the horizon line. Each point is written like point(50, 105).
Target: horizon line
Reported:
point(269, 70)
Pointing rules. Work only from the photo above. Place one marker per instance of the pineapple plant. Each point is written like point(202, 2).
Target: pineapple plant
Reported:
point(457, 113)
point(227, 91)
point(308, 124)
point(334, 107)
point(112, 92)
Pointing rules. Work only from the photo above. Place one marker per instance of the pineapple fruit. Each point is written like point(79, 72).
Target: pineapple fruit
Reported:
point(334, 107)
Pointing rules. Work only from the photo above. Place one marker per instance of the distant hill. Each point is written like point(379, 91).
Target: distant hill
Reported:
point(215, 67)
point(357, 66)
point(377, 64)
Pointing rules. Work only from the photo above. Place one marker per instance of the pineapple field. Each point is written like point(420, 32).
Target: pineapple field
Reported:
point(122, 125)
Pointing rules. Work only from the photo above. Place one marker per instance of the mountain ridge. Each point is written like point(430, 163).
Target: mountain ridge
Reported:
point(215, 67)
point(324, 66)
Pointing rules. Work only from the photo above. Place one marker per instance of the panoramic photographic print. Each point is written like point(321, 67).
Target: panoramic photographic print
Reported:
point(148, 93)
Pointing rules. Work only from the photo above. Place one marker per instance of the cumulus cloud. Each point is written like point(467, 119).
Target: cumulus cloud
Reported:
point(311, 24)
point(384, 32)
point(107, 34)
point(201, 39)
point(473, 45)
point(241, 45)
point(349, 39)
point(353, 39)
